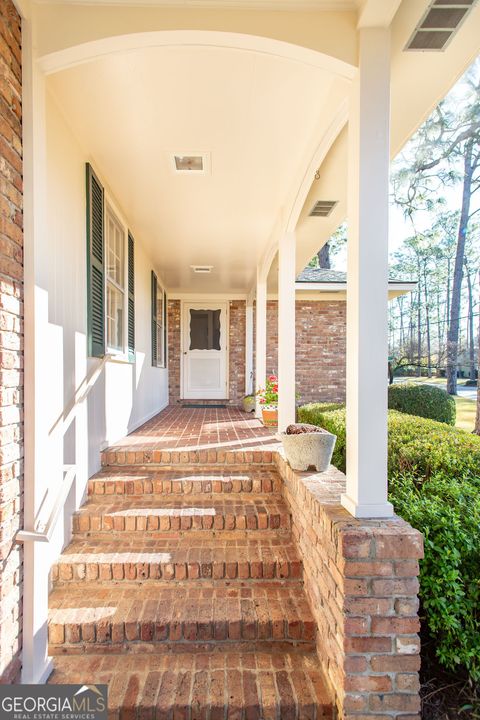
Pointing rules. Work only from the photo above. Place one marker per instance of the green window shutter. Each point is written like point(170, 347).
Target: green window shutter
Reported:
point(131, 298)
point(95, 265)
point(154, 320)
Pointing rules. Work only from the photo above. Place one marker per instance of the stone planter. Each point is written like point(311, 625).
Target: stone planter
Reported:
point(270, 416)
point(309, 449)
point(249, 403)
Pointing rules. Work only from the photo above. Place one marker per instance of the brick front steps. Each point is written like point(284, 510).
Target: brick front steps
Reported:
point(183, 590)
point(130, 558)
point(144, 480)
point(95, 619)
point(247, 456)
point(213, 686)
point(148, 513)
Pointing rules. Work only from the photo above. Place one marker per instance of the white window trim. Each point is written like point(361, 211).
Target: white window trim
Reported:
point(111, 206)
point(160, 287)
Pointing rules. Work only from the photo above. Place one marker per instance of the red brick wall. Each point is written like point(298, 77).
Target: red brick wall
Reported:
point(320, 349)
point(236, 343)
point(361, 580)
point(174, 329)
point(11, 341)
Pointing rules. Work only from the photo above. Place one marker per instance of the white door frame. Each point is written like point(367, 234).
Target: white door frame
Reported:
point(206, 302)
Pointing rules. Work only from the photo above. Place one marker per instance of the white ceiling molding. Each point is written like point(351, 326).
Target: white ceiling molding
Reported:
point(287, 5)
point(95, 49)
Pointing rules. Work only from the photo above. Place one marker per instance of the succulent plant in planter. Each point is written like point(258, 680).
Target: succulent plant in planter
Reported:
point(308, 446)
point(249, 403)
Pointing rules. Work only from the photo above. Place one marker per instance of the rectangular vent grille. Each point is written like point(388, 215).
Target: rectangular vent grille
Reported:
point(439, 24)
point(322, 208)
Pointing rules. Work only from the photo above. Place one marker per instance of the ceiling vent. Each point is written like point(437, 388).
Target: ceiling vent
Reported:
point(191, 163)
point(439, 24)
point(202, 269)
point(322, 208)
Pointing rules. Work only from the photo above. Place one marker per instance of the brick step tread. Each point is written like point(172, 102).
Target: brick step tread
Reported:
point(213, 686)
point(128, 557)
point(143, 480)
point(192, 512)
point(246, 454)
point(156, 612)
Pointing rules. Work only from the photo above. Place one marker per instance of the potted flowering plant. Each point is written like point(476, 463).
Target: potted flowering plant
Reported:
point(268, 398)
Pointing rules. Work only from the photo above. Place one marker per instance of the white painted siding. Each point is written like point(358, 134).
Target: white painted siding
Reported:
point(125, 395)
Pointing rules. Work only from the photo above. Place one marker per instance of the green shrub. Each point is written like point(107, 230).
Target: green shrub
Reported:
point(330, 416)
point(415, 444)
point(425, 447)
point(434, 481)
point(447, 511)
point(426, 401)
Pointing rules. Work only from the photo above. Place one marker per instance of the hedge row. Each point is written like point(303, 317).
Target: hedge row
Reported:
point(434, 483)
point(427, 401)
point(415, 444)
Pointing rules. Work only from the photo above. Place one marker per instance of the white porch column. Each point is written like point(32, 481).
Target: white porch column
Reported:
point(260, 337)
point(39, 466)
point(286, 331)
point(367, 279)
point(248, 348)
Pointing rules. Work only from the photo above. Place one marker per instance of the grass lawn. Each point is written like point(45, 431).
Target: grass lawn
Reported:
point(466, 407)
point(466, 410)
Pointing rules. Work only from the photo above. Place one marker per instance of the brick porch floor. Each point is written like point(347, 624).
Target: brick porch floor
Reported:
point(186, 435)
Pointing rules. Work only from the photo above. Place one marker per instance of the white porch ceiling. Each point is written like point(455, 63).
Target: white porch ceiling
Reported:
point(254, 114)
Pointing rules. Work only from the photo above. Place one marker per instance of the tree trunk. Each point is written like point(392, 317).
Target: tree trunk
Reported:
point(402, 328)
point(453, 328)
point(324, 257)
point(477, 419)
point(419, 326)
point(471, 333)
point(427, 321)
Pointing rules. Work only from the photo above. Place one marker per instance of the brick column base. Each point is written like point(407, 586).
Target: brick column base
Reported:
point(361, 580)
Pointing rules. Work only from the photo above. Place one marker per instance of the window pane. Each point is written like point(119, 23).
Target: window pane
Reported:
point(114, 317)
point(205, 329)
point(159, 308)
point(115, 250)
point(160, 347)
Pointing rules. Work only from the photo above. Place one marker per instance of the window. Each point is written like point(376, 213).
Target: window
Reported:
point(159, 324)
point(110, 276)
point(205, 329)
point(115, 249)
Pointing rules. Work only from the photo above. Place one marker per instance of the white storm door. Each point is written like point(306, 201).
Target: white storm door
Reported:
point(204, 351)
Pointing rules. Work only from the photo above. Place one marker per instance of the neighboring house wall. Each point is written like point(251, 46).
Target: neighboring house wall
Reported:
point(320, 349)
point(11, 341)
point(320, 331)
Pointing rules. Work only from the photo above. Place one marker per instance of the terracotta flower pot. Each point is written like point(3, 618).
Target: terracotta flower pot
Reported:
point(270, 416)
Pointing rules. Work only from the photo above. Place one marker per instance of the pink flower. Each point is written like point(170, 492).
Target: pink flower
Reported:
point(262, 401)
point(272, 378)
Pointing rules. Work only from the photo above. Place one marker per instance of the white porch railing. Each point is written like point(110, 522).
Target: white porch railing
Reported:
point(37, 666)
